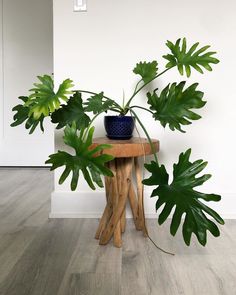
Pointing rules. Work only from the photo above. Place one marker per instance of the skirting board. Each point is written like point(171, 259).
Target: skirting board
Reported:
point(89, 204)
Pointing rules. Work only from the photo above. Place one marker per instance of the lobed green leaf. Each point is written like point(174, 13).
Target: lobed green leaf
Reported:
point(43, 100)
point(97, 104)
point(23, 115)
point(174, 106)
point(147, 70)
point(84, 161)
point(180, 198)
point(185, 60)
point(71, 112)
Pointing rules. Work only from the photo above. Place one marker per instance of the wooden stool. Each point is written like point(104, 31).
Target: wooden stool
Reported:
point(121, 187)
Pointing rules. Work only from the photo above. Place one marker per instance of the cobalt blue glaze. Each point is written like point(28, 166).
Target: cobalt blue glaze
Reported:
point(119, 127)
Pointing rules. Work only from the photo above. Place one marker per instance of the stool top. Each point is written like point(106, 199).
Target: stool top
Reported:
point(133, 147)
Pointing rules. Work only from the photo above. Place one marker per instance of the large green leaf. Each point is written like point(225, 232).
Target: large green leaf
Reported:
point(44, 100)
point(181, 197)
point(96, 104)
point(195, 58)
point(71, 112)
point(147, 70)
point(174, 105)
point(86, 160)
point(22, 115)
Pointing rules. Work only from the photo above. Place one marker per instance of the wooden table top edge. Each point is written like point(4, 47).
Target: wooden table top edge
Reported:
point(134, 147)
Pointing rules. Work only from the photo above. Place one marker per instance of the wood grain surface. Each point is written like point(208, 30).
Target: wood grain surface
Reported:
point(134, 147)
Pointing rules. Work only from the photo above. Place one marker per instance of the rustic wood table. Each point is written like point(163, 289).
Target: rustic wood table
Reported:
point(125, 185)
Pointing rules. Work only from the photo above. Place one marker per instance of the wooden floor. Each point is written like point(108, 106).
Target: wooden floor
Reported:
point(60, 256)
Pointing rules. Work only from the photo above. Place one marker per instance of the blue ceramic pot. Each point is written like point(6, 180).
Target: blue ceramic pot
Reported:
point(119, 127)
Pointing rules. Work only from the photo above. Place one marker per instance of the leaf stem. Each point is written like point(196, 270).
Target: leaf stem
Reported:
point(145, 131)
point(141, 108)
point(115, 110)
point(89, 126)
point(135, 89)
point(145, 84)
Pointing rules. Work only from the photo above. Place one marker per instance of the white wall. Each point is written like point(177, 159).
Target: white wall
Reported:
point(26, 42)
point(98, 49)
point(1, 60)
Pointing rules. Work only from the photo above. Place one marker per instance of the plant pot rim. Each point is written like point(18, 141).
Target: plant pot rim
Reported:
point(117, 116)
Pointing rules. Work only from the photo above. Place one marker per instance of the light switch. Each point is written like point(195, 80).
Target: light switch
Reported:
point(80, 5)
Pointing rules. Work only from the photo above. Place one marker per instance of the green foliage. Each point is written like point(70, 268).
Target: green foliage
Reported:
point(97, 105)
point(147, 70)
point(44, 100)
point(174, 103)
point(71, 112)
point(173, 106)
point(22, 115)
point(184, 59)
point(85, 159)
point(181, 197)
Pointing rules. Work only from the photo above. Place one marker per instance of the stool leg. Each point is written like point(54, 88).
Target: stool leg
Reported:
point(134, 206)
point(115, 197)
point(117, 211)
point(141, 213)
point(119, 165)
point(123, 220)
point(108, 209)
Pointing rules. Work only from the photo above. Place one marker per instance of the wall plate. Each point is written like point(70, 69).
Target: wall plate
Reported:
point(80, 5)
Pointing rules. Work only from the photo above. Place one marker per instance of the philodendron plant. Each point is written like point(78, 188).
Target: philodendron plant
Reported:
point(174, 106)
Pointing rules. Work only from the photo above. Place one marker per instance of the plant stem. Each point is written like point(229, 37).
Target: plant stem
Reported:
point(123, 99)
point(142, 109)
point(145, 131)
point(115, 110)
point(90, 92)
point(87, 130)
point(145, 84)
point(135, 89)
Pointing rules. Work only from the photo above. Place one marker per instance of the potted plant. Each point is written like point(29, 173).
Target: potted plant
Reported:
point(174, 106)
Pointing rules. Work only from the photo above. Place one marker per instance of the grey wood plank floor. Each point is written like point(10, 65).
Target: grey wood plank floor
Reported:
point(60, 256)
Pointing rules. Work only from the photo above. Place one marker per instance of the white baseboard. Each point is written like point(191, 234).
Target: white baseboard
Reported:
point(92, 215)
point(97, 216)
point(90, 204)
